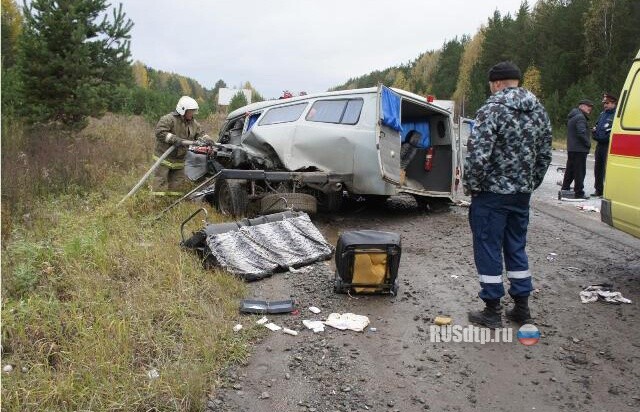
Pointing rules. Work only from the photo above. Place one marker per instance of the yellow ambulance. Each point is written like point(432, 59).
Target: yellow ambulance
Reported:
point(621, 200)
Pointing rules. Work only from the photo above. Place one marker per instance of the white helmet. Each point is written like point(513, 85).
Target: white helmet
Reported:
point(186, 103)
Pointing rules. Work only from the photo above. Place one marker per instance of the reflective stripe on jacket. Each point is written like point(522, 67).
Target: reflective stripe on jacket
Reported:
point(170, 165)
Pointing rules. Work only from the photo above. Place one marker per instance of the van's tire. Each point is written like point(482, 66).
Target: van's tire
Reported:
point(331, 202)
point(274, 203)
point(232, 197)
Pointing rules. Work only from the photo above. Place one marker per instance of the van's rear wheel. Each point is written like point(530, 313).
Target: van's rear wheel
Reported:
point(231, 197)
point(279, 202)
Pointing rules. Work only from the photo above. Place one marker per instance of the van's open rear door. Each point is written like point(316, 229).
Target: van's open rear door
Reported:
point(388, 131)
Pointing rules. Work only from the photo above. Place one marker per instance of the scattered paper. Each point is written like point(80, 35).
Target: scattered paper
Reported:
point(262, 320)
point(349, 321)
point(314, 325)
point(455, 276)
point(153, 374)
point(551, 256)
point(588, 208)
point(237, 328)
point(272, 326)
point(290, 332)
point(314, 309)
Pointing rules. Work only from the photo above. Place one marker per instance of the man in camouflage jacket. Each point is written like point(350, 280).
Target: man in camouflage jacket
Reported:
point(508, 154)
point(177, 128)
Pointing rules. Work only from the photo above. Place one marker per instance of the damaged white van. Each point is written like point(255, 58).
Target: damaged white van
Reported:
point(312, 151)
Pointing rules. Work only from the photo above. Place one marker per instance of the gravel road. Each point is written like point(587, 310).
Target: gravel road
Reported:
point(587, 358)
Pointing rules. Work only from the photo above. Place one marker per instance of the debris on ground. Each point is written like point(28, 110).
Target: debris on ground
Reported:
point(272, 327)
point(349, 321)
point(153, 374)
point(263, 306)
point(314, 325)
point(290, 331)
point(551, 256)
point(602, 292)
point(262, 320)
point(314, 309)
point(588, 208)
point(258, 248)
point(443, 320)
point(237, 328)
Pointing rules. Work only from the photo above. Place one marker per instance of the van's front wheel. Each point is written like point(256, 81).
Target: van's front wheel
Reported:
point(231, 197)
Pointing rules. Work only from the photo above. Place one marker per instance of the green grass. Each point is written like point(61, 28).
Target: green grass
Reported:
point(94, 297)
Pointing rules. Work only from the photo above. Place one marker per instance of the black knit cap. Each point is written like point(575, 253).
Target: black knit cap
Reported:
point(504, 71)
point(586, 102)
point(610, 97)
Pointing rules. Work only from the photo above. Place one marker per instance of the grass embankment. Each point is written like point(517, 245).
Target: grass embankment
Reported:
point(95, 299)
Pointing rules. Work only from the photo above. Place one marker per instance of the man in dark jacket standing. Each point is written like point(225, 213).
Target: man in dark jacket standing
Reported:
point(578, 146)
point(508, 154)
point(601, 133)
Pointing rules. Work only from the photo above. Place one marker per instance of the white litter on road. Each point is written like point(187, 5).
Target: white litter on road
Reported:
point(153, 374)
point(314, 309)
point(551, 256)
point(349, 321)
point(598, 292)
point(588, 208)
point(262, 320)
point(455, 276)
point(314, 325)
point(237, 328)
point(272, 326)
point(290, 332)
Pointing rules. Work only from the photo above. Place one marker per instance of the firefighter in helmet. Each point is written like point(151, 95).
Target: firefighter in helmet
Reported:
point(176, 129)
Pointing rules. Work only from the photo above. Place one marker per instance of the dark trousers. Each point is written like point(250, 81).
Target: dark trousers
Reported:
point(499, 225)
point(574, 172)
point(602, 150)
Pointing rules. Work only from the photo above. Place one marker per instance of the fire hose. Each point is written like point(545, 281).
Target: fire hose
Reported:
point(152, 169)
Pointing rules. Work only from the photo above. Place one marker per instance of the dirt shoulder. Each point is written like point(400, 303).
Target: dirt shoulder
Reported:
point(587, 357)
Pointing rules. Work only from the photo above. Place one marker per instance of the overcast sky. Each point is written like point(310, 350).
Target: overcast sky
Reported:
point(297, 45)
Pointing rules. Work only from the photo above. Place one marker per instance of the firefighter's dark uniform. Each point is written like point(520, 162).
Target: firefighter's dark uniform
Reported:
point(169, 178)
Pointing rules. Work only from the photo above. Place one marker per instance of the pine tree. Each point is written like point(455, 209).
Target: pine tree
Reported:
point(237, 101)
point(11, 28)
point(72, 57)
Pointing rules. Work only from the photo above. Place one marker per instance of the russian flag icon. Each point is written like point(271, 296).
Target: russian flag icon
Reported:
point(528, 335)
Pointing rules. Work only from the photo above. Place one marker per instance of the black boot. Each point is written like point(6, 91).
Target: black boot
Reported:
point(520, 312)
point(490, 316)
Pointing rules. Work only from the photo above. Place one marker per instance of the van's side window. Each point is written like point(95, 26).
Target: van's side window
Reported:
point(283, 114)
point(344, 111)
point(631, 111)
